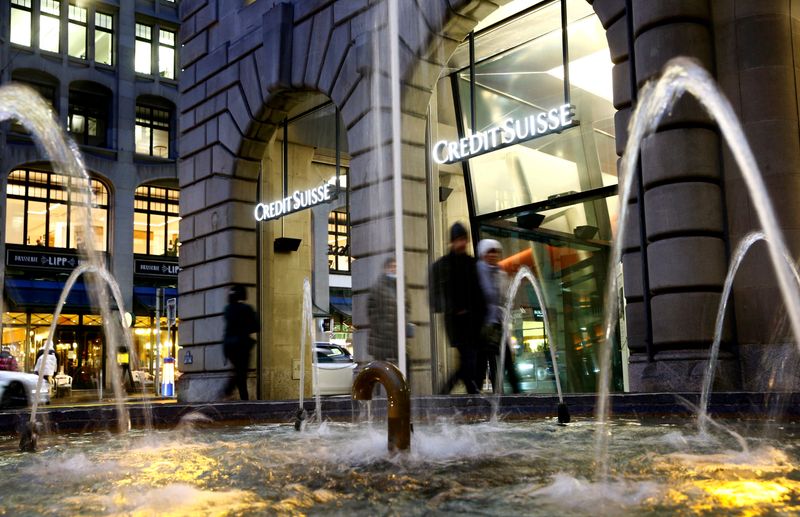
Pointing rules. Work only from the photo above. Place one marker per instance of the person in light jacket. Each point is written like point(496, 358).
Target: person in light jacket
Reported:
point(49, 363)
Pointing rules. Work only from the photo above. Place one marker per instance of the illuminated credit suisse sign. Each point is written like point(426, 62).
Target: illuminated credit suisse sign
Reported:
point(507, 133)
point(297, 201)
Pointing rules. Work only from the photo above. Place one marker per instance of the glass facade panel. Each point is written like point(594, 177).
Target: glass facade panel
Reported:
point(157, 234)
point(166, 54)
point(141, 234)
point(526, 77)
point(103, 38)
point(37, 223)
point(49, 25)
point(77, 40)
point(143, 136)
point(21, 25)
point(143, 60)
point(58, 234)
point(15, 221)
point(76, 32)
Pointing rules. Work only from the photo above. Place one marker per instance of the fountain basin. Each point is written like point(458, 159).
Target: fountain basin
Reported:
point(532, 467)
point(740, 405)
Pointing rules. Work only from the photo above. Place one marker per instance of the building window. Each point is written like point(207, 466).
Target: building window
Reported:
point(21, 22)
point(76, 31)
point(155, 221)
point(143, 57)
point(152, 131)
point(104, 38)
point(166, 54)
point(44, 209)
point(50, 25)
point(88, 118)
point(339, 242)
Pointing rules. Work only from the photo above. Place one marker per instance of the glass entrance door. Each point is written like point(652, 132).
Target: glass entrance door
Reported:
point(572, 267)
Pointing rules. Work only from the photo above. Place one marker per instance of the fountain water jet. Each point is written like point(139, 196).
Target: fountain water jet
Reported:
point(307, 317)
point(25, 105)
point(683, 75)
point(736, 259)
point(526, 274)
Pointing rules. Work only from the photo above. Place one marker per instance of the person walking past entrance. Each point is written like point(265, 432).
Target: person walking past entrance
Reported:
point(494, 283)
point(240, 322)
point(455, 290)
point(382, 315)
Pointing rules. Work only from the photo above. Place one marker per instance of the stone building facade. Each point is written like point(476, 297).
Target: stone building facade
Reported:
point(247, 64)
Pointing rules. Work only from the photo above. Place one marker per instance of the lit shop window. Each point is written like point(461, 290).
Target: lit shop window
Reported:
point(143, 58)
point(50, 25)
point(166, 54)
point(104, 38)
point(21, 22)
point(46, 209)
point(152, 131)
point(76, 31)
point(155, 221)
point(339, 242)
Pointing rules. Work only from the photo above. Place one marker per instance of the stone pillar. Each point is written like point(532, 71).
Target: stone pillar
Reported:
point(756, 62)
point(685, 248)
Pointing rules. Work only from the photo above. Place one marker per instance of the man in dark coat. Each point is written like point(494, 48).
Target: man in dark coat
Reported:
point(456, 291)
point(382, 314)
point(240, 322)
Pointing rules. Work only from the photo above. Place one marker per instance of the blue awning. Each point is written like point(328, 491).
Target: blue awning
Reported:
point(43, 295)
point(144, 298)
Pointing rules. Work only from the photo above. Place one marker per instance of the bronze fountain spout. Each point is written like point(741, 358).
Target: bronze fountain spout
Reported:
point(399, 401)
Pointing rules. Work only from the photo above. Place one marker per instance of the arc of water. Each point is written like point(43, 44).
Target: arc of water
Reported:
point(123, 419)
point(308, 333)
point(736, 260)
point(682, 75)
point(22, 103)
point(526, 274)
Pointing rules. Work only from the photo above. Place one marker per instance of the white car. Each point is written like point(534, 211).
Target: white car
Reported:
point(335, 368)
point(17, 389)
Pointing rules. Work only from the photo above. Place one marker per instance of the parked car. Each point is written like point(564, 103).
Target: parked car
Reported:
point(335, 369)
point(17, 389)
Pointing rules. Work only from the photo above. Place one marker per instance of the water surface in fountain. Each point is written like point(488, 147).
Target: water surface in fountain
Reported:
point(493, 468)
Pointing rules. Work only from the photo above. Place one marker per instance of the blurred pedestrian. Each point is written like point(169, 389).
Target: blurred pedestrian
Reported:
point(455, 290)
point(240, 322)
point(494, 283)
point(382, 314)
point(49, 363)
point(7, 361)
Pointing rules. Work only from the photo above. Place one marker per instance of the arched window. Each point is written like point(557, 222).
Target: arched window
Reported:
point(44, 209)
point(155, 221)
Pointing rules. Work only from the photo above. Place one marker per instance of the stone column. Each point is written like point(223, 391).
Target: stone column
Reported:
point(684, 215)
point(757, 56)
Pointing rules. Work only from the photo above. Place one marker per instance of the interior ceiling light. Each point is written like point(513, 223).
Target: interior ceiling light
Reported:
point(591, 73)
